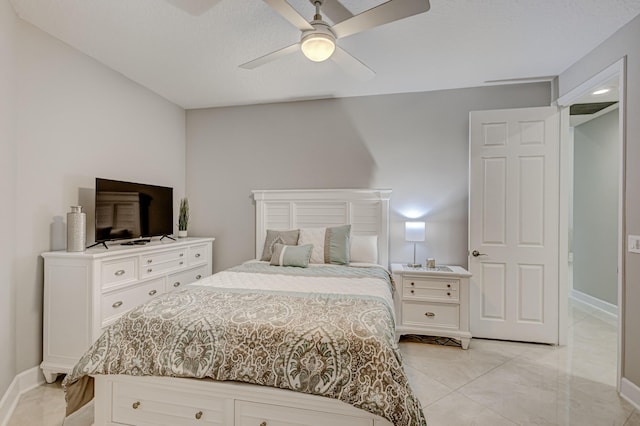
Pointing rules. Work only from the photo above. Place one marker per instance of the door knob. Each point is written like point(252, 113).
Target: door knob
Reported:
point(476, 253)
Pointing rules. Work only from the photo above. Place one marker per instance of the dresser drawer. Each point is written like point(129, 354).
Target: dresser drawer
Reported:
point(424, 314)
point(159, 263)
point(180, 279)
point(117, 303)
point(117, 272)
point(142, 404)
point(169, 256)
point(255, 414)
point(198, 254)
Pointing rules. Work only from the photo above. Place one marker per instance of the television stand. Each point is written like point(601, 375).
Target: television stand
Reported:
point(168, 236)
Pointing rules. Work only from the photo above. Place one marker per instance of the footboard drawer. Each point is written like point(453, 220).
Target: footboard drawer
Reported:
point(136, 404)
point(254, 414)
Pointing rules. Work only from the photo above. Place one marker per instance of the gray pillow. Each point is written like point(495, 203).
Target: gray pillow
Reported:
point(289, 238)
point(291, 255)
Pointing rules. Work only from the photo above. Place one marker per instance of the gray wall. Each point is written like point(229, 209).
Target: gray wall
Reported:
point(7, 187)
point(595, 208)
point(68, 119)
point(622, 43)
point(416, 144)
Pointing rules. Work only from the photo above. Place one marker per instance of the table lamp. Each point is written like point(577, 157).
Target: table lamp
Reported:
point(414, 232)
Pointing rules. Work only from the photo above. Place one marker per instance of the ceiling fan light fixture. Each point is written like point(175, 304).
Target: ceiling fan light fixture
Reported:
point(318, 46)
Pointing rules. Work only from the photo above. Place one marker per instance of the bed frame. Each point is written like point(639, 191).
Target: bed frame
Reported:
point(168, 401)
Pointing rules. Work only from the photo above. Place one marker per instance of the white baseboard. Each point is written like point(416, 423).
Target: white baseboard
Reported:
point(630, 392)
point(600, 305)
point(22, 383)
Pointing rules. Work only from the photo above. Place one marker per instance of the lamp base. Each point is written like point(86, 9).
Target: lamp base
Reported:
point(414, 265)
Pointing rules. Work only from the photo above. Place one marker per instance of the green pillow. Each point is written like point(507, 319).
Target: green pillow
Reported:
point(284, 255)
point(337, 245)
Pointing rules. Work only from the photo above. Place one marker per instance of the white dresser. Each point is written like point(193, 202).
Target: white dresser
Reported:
point(86, 291)
point(432, 302)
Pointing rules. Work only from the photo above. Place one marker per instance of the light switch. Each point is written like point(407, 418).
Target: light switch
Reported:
point(633, 243)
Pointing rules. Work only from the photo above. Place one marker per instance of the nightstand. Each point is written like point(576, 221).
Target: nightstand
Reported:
point(432, 301)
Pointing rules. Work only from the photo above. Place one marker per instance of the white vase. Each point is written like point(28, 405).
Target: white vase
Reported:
point(76, 229)
point(182, 234)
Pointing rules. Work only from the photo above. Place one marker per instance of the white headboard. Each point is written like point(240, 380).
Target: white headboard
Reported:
point(367, 210)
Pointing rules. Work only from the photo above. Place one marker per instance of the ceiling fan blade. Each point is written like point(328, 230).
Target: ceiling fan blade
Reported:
point(390, 11)
point(352, 65)
point(194, 7)
point(271, 56)
point(335, 11)
point(290, 14)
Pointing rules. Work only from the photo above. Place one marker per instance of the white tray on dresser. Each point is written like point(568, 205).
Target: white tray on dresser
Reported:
point(86, 291)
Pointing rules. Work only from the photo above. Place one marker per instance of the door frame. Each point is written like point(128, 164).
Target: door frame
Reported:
point(564, 102)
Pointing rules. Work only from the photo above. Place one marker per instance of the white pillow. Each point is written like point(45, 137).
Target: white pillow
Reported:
point(364, 249)
point(314, 236)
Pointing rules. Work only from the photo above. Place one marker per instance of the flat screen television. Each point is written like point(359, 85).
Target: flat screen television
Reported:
point(128, 210)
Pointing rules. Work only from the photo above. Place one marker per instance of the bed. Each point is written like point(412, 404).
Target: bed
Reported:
point(273, 341)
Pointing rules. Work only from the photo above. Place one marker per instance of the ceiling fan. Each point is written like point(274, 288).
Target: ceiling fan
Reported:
point(318, 39)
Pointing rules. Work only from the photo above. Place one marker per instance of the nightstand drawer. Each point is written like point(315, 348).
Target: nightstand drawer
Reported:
point(430, 283)
point(440, 315)
point(430, 294)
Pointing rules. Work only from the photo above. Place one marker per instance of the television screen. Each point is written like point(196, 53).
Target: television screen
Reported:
point(126, 210)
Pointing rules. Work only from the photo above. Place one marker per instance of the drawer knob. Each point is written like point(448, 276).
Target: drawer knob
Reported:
point(198, 415)
point(412, 283)
point(448, 285)
point(412, 291)
point(149, 270)
point(429, 314)
point(181, 262)
point(117, 304)
point(135, 405)
point(149, 260)
point(263, 424)
point(197, 255)
point(181, 254)
point(152, 292)
point(119, 272)
point(176, 284)
point(448, 293)
point(198, 276)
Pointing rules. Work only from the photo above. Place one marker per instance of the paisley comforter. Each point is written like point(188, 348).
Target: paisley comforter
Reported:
point(325, 330)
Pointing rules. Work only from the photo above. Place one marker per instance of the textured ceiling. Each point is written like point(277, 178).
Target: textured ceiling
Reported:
point(188, 51)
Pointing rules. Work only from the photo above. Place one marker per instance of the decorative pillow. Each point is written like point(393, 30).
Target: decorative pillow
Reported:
point(284, 255)
point(289, 238)
point(330, 245)
point(364, 249)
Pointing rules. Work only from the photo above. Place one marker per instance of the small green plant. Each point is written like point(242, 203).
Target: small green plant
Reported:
point(183, 215)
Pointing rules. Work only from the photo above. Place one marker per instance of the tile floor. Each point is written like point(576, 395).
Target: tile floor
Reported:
point(494, 383)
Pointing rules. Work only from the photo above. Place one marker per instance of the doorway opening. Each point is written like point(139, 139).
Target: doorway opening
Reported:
point(591, 255)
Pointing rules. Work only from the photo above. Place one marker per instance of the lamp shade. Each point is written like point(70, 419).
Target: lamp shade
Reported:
point(318, 47)
point(414, 231)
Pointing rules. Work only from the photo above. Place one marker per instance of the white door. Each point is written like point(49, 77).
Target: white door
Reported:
point(513, 224)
